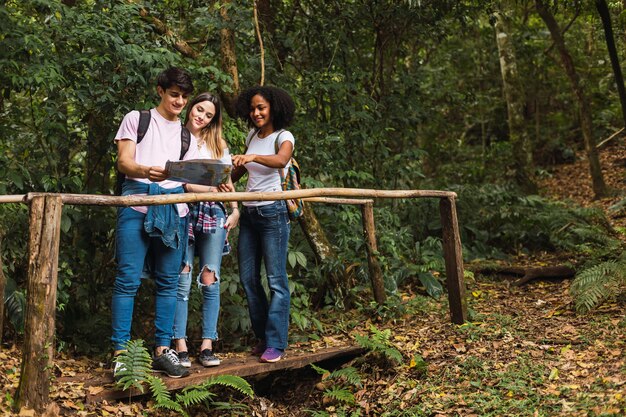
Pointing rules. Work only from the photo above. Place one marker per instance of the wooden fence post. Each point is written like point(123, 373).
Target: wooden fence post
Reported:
point(369, 232)
point(43, 260)
point(3, 285)
point(452, 253)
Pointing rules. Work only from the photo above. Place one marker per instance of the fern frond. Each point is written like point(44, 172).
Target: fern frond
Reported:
point(315, 413)
point(160, 393)
point(318, 369)
point(15, 310)
point(340, 394)
point(381, 336)
point(364, 341)
point(136, 364)
point(597, 284)
point(380, 344)
point(393, 354)
point(171, 405)
point(350, 374)
point(231, 381)
point(162, 396)
point(193, 396)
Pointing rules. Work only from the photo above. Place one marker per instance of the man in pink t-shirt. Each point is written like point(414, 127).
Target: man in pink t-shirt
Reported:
point(158, 233)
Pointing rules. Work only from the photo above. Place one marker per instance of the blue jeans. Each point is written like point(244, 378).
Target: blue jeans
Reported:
point(209, 247)
point(132, 245)
point(264, 234)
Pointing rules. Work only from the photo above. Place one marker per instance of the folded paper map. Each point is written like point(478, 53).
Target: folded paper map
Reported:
point(210, 172)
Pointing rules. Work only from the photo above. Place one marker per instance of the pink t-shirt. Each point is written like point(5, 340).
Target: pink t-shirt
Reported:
point(161, 143)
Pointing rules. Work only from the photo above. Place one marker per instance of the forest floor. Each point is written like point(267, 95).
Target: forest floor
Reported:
point(524, 352)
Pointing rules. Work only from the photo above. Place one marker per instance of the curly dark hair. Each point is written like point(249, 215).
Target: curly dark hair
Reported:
point(282, 107)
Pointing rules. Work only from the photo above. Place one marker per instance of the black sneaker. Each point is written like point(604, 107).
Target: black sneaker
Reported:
point(169, 364)
point(207, 358)
point(183, 357)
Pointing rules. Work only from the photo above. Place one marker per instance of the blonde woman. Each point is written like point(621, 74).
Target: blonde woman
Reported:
point(208, 228)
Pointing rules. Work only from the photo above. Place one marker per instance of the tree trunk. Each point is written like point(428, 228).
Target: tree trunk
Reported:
point(515, 99)
point(43, 259)
point(3, 285)
point(315, 235)
point(227, 50)
point(228, 54)
point(98, 163)
point(161, 28)
point(584, 112)
point(603, 10)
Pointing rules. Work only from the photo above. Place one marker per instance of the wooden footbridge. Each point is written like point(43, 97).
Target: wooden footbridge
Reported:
point(99, 386)
point(45, 229)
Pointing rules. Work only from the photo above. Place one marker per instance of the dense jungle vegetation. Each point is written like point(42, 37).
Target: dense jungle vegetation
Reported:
point(484, 98)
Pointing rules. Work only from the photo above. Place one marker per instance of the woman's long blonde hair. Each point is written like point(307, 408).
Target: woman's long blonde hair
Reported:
point(211, 134)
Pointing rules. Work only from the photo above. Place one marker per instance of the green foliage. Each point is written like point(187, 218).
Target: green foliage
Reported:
point(379, 345)
point(495, 220)
point(349, 375)
point(162, 396)
point(302, 313)
point(190, 395)
point(137, 366)
point(425, 258)
point(340, 383)
point(599, 283)
point(341, 395)
point(15, 306)
point(200, 394)
point(415, 102)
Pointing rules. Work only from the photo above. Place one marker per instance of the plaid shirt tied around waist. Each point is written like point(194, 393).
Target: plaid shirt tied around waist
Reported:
point(203, 219)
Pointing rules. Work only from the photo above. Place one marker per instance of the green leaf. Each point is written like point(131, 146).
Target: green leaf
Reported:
point(66, 223)
point(301, 259)
point(432, 285)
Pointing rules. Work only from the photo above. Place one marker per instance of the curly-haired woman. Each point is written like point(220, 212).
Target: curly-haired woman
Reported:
point(264, 227)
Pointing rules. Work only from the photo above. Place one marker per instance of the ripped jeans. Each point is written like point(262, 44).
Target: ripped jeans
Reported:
point(209, 247)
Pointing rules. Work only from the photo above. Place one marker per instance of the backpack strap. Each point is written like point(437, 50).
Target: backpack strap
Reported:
point(144, 122)
point(185, 140)
point(276, 140)
point(249, 138)
point(281, 171)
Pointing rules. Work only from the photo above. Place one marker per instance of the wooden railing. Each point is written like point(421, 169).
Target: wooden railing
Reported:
point(44, 237)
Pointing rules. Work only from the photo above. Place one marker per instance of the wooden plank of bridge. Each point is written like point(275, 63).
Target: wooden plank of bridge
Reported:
point(244, 366)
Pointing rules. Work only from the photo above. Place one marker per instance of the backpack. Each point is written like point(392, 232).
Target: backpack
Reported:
point(144, 122)
point(289, 181)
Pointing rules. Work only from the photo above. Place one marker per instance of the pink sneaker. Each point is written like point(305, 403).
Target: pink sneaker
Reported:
point(272, 355)
point(259, 348)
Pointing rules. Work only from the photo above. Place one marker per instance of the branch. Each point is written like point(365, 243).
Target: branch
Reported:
point(528, 273)
point(162, 29)
point(547, 51)
point(258, 34)
point(605, 141)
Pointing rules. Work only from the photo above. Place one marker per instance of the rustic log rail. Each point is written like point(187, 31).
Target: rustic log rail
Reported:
point(45, 221)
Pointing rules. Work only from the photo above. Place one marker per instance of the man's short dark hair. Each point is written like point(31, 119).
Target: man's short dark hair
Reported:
point(175, 76)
